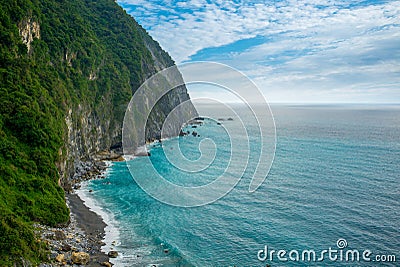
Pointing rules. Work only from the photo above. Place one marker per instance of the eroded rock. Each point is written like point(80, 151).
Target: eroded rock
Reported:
point(81, 258)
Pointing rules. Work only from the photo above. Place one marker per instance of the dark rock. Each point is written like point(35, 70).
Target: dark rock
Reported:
point(112, 254)
point(142, 154)
point(77, 186)
point(59, 235)
point(181, 133)
point(119, 159)
point(117, 146)
point(66, 247)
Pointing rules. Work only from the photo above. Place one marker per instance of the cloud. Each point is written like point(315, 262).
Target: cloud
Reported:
point(199, 24)
point(309, 48)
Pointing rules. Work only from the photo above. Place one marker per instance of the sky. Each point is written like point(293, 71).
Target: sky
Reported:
point(295, 51)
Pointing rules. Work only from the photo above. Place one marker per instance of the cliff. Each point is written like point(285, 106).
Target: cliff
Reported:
point(67, 71)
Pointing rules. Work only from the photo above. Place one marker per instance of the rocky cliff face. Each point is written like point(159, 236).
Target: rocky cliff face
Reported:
point(29, 29)
point(68, 70)
point(91, 135)
point(95, 132)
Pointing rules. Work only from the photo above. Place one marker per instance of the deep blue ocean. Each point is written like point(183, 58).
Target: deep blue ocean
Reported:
point(335, 175)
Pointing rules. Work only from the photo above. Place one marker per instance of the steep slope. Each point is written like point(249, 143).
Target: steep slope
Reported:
point(67, 71)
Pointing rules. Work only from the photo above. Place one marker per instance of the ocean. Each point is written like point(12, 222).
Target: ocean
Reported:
point(331, 197)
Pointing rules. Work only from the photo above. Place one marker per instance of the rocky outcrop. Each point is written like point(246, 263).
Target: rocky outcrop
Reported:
point(93, 136)
point(80, 258)
point(95, 133)
point(29, 29)
point(60, 258)
point(69, 69)
point(112, 254)
point(97, 127)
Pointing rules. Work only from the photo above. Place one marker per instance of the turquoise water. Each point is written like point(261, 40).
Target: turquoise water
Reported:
point(335, 176)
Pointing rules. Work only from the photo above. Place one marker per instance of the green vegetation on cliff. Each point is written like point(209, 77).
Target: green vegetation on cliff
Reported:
point(58, 56)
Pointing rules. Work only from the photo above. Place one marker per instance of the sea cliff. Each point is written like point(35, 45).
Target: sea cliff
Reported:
point(67, 72)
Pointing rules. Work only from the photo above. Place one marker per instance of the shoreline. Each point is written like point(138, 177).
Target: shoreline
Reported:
point(91, 229)
point(110, 233)
point(80, 241)
point(92, 224)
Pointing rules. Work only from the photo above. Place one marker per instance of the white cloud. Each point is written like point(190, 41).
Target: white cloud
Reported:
point(202, 24)
point(310, 45)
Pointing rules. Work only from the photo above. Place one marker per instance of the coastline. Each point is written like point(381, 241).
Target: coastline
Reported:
point(91, 228)
point(110, 233)
point(92, 225)
point(77, 243)
point(88, 231)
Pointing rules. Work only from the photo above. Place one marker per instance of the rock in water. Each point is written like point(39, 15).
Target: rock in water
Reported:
point(81, 258)
point(113, 254)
